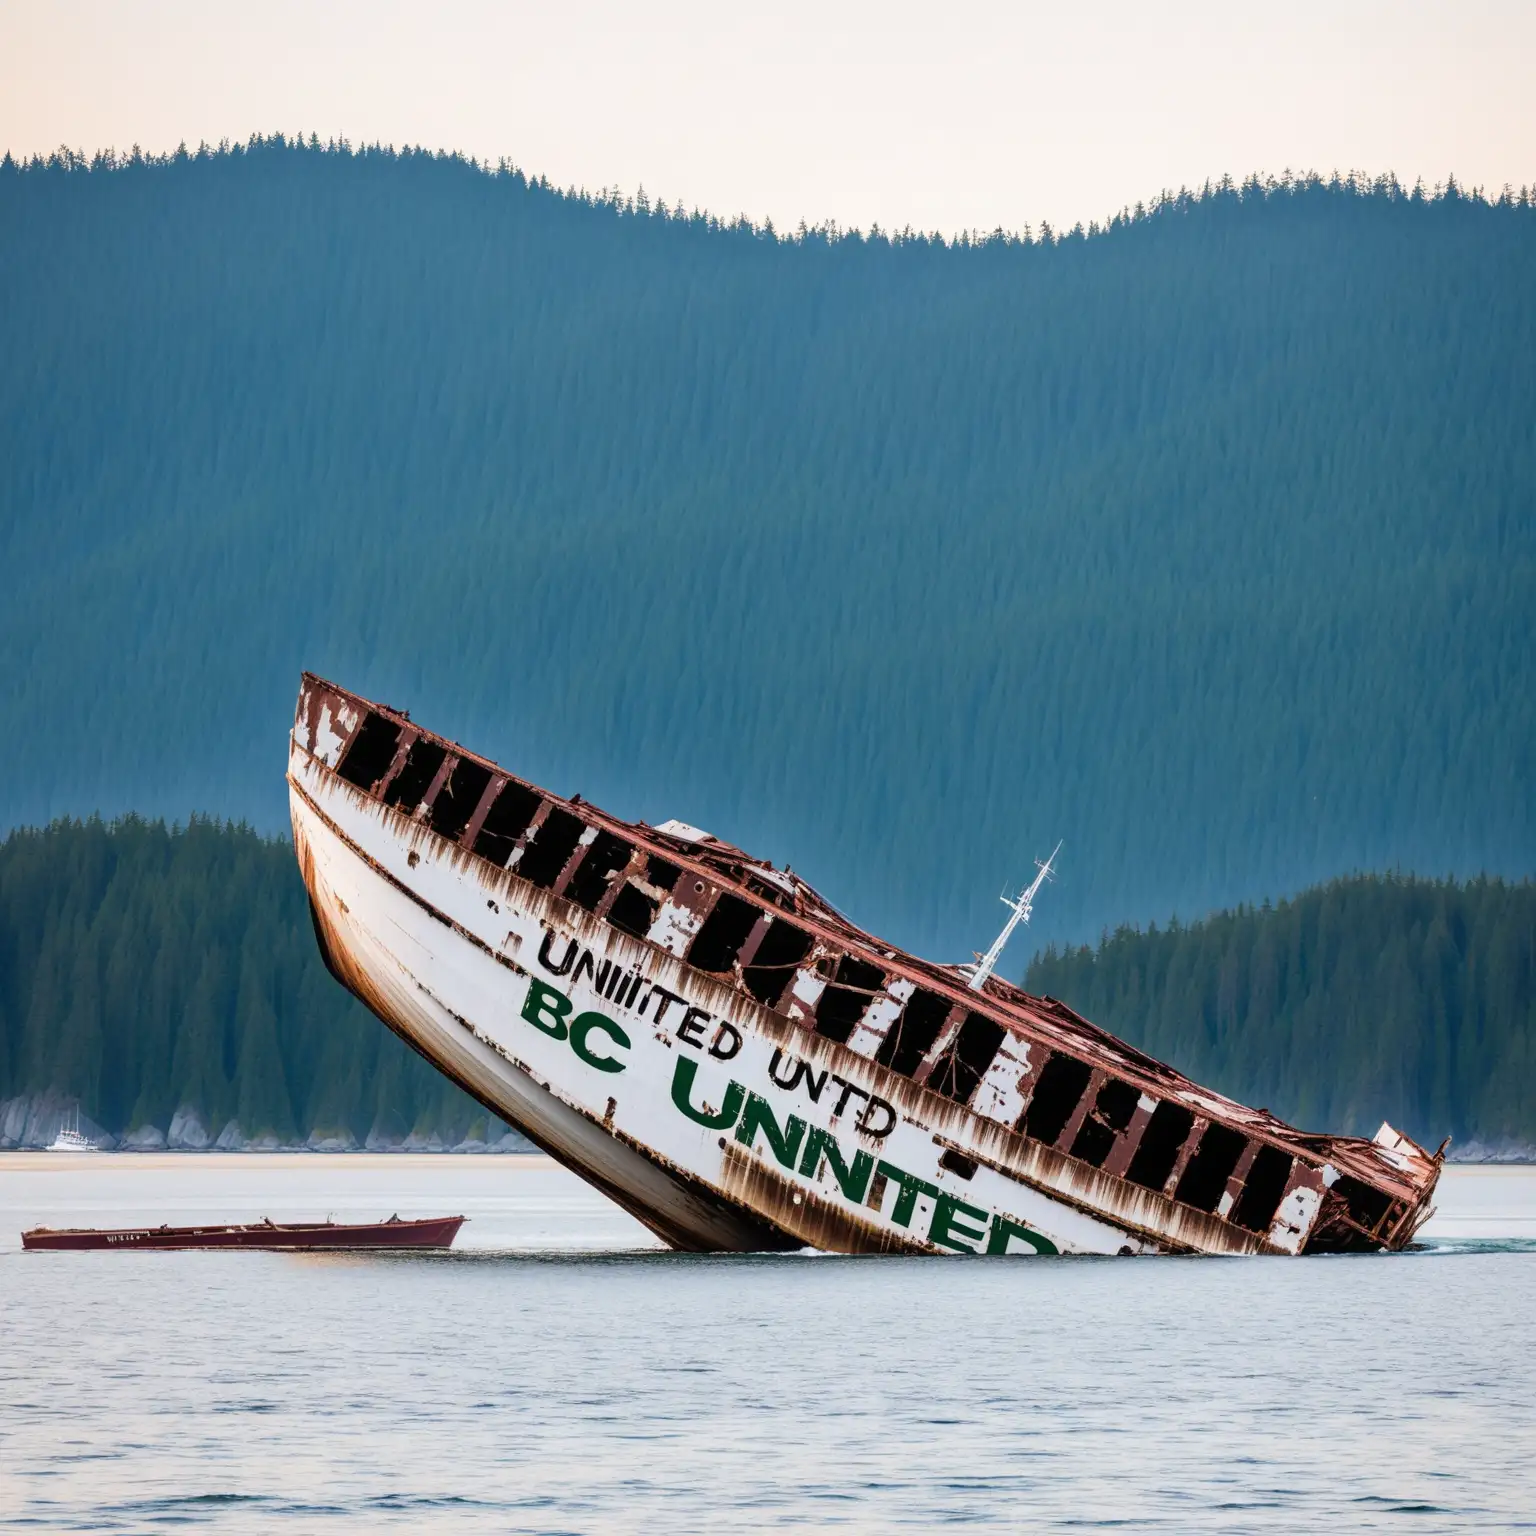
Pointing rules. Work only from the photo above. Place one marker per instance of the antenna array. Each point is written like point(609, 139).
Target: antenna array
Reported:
point(1018, 913)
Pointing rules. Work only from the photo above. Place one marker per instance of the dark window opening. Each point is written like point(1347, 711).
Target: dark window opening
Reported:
point(1063, 1081)
point(1116, 1104)
point(958, 1162)
point(783, 948)
point(842, 1004)
point(372, 750)
point(1366, 1205)
point(459, 798)
point(505, 822)
point(1093, 1142)
point(911, 1037)
point(633, 911)
point(1209, 1169)
point(604, 859)
point(1161, 1143)
point(1265, 1184)
point(547, 852)
point(957, 1075)
point(415, 777)
point(660, 873)
point(1112, 1109)
point(725, 930)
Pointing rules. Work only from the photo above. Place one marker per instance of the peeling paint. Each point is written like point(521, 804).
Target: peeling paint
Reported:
point(568, 998)
point(1000, 1095)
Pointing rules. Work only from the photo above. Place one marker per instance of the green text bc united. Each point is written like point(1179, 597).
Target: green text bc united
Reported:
point(550, 1011)
point(955, 1224)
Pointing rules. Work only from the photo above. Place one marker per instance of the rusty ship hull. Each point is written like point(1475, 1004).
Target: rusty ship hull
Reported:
point(704, 1038)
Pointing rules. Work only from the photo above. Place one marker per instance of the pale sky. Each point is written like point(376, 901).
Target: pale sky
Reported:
point(943, 117)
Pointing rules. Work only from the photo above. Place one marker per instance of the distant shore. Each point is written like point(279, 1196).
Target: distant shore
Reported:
point(30, 1123)
point(1523, 1156)
point(298, 1149)
point(36, 1157)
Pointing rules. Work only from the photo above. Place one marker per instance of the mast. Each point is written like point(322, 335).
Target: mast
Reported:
point(1018, 913)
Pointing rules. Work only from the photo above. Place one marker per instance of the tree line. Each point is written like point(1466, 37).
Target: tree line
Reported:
point(147, 968)
point(1375, 997)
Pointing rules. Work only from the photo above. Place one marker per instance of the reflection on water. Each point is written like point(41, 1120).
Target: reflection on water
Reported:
point(594, 1383)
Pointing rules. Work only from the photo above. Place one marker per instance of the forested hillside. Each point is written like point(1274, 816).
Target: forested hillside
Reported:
point(1369, 998)
point(144, 970)
point(1205, 541)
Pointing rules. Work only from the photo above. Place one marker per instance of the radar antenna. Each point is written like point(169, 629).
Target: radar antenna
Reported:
point(1019, 913)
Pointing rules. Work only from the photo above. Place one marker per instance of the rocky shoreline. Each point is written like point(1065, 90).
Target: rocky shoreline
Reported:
point(32, 1123)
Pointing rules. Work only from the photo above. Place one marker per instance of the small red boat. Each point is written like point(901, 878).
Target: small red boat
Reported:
point(427, 1232)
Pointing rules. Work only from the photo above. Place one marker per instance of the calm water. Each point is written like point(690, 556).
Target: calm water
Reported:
point(560, 1374)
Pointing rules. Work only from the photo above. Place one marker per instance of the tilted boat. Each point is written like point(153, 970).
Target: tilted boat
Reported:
point(703, 1037)
point(423, 1232)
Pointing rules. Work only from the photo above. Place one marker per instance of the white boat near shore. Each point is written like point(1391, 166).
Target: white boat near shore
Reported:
point(70, 1137)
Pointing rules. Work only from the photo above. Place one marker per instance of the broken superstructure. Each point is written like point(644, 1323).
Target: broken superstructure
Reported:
point(703, 1037)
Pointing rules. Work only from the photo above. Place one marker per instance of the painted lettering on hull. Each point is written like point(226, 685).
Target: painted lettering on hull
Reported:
point(549, 1009)
point(757, 1123)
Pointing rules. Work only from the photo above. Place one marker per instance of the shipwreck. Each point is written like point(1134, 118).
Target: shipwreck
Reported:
point(703, 1037)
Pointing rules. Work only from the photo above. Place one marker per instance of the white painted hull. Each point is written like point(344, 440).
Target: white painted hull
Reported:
point(448, 952)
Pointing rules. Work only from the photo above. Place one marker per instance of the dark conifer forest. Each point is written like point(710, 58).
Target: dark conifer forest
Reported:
point(1203, 539)
point(145, 970)
point(1368, 998)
